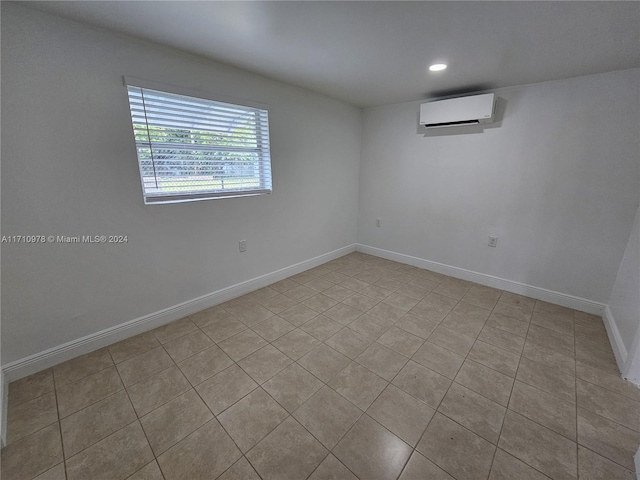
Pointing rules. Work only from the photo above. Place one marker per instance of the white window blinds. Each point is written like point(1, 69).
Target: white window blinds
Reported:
point(196, 149)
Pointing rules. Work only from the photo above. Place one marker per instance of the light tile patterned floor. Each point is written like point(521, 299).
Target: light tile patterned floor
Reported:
point(361, 368)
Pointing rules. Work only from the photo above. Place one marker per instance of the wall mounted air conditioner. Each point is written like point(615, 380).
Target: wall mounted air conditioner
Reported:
point(453, 112)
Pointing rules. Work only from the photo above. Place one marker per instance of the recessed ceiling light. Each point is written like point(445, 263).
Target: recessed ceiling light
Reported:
point(436, 67)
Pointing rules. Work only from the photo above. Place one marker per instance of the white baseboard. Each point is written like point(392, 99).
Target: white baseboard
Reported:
point(48, 358)
point(570, 301)
point(637, 459)
point(631, 370)
point(4, 403)
point(617, 345)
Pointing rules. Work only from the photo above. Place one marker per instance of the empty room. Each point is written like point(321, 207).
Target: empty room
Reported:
point(320, 240)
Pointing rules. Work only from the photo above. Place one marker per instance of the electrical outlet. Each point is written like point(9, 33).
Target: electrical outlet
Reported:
point(242, 245)
point(493, 241)
point(377, 222)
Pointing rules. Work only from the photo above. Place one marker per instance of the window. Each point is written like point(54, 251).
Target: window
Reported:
point(192, 148)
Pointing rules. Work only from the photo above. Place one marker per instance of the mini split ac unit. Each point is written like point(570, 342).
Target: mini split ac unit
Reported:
point(453, 112)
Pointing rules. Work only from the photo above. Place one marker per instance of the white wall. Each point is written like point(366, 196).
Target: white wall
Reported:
point(624, 307)
point(69, 168)
point(556, 179)
point(624, 303)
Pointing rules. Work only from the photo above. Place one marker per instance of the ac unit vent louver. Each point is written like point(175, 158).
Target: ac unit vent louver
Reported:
point(473, 110)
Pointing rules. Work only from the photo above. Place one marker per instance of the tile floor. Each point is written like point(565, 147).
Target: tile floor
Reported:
point(361, 368)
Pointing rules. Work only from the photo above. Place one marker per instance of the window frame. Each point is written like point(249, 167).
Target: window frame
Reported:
point(265, 187)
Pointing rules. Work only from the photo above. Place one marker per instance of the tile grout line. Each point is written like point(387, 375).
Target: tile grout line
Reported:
point(215, 417)
point(606, 458)
point(144, 432)
point(363, 412)
point(495, 451)
point(59, 420)
point(436, 410)
point(509, 402)
point(108, 396)
point(352, 360)
point(95, 443)
point(40, 428)
point(414, 449)
point(626, 397)
point(409, 358)
point(126, 391)
point(289, 415)
point(55, 392)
